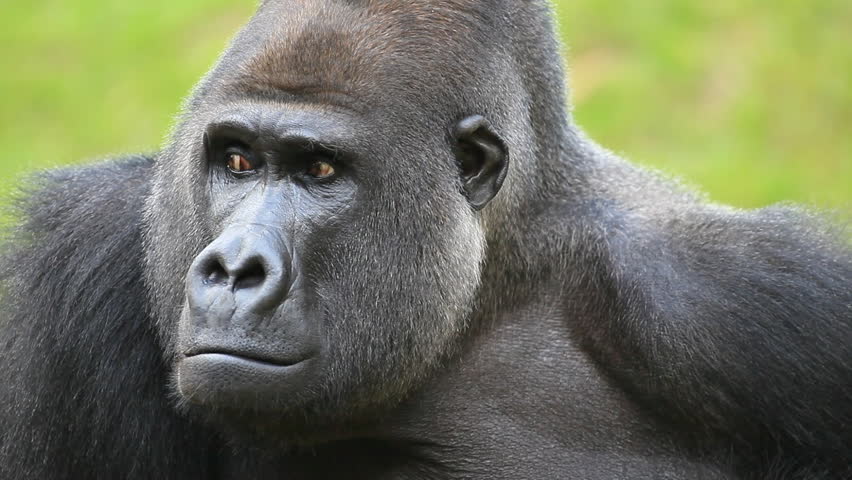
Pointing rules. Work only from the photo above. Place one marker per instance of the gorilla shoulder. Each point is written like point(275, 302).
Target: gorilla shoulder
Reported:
point(76, 340)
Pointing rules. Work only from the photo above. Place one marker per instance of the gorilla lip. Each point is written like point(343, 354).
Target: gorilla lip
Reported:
point(243, 356)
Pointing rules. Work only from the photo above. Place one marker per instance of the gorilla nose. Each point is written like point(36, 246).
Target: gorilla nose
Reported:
point(219, 270)
point(244, 270)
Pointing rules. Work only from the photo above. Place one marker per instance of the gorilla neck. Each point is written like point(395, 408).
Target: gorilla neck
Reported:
point(500, 379)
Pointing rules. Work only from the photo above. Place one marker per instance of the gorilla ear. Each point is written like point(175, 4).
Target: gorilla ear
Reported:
point(483, 159)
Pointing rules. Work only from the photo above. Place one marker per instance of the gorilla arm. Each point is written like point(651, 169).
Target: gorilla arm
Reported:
point(736, 325)
point(82, 378)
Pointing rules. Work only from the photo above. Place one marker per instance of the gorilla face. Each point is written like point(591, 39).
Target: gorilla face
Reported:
point(343, 264)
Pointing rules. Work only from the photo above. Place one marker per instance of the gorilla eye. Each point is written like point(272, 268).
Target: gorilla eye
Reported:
point(321, 169)
point(238, 163)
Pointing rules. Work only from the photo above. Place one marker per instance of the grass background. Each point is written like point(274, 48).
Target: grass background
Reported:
point(749, 100)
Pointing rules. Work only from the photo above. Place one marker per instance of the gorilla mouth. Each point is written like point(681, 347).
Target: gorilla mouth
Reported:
point(240, 355)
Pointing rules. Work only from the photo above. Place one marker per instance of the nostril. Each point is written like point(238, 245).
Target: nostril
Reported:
point(251, 275)
point(214, 272)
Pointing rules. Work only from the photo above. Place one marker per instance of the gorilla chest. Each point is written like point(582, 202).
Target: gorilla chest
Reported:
point(523, 412)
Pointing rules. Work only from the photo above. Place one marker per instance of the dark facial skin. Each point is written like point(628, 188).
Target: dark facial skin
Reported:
point(250, 333)
point(377, 246)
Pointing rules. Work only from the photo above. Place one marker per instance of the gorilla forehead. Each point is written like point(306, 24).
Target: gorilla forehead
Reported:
point(356, 50)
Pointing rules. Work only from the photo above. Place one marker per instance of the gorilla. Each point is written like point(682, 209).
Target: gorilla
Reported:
point(377, 246)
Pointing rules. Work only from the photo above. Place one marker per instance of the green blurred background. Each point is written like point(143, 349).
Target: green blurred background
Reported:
point(748, 99)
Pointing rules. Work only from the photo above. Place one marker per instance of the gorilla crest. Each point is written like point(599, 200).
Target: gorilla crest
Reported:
point(377, 246)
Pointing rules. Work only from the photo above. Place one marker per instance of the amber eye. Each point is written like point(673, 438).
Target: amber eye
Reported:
point(321, 170)
point(238, 163)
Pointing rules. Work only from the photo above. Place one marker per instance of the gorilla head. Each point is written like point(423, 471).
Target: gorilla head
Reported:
point(323, 192)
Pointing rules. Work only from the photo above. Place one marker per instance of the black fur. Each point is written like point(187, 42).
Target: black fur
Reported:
point(592, 320)
point(84, 384)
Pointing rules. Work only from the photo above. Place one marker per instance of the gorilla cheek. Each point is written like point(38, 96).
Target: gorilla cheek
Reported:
point(412, 305)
